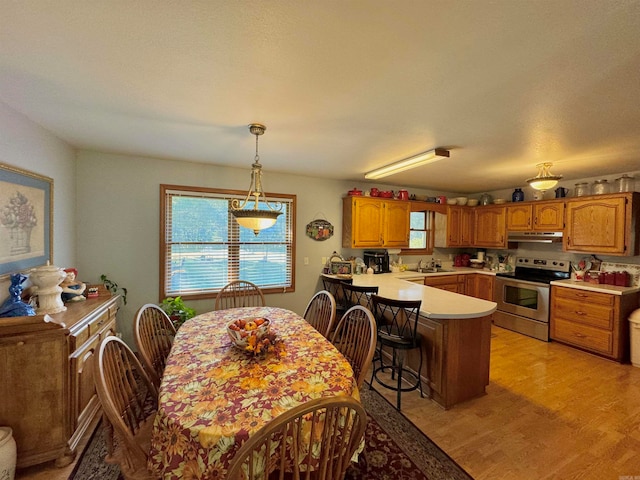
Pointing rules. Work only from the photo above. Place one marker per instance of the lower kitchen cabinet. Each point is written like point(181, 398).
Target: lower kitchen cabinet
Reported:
point(46, 374)
point(479, 285)
point(451, 283)
point(592, 321)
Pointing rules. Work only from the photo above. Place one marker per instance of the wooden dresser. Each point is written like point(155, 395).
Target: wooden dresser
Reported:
point(46, 377)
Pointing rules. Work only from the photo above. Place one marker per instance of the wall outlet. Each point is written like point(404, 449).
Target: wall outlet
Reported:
point(324, 260)
point(306, 260)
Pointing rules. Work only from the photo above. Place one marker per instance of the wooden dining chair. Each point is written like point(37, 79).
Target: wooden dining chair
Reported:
point(239, 293)
point(334, 285)
point(129, 401)
point(355, 338)
point(153, 333)
point(321, 312)
point(315, 440)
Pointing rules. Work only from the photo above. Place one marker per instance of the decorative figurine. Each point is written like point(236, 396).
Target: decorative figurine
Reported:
point(14, 306)
point(72, 290)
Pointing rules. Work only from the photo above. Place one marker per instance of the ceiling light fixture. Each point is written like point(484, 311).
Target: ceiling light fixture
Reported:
point(408, 163)
point(254, 218)
point(545, 180)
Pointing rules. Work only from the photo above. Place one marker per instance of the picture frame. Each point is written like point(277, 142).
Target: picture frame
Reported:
point(341, 268)
point(26, 219)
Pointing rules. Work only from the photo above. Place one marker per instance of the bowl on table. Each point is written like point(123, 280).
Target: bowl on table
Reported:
point(250, 334)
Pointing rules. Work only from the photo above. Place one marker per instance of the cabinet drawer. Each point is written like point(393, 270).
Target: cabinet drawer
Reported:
point(599, 316)
point(585, 296)
point(584, 336)
point(99, 323)
point(435, 281)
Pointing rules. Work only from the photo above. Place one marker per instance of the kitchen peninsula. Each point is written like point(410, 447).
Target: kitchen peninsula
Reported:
point(456, 337)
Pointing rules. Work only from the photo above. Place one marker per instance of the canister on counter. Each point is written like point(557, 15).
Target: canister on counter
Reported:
point(609, 278)
point(622, 279)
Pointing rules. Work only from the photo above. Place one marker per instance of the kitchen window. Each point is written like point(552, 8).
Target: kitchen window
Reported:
point(420, 233)
point(203, 248)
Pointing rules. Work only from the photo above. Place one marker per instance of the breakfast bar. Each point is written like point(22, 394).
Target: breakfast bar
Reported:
point(456, 337)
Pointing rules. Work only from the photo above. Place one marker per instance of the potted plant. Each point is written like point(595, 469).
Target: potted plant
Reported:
point(177, 311)
point(113, 287)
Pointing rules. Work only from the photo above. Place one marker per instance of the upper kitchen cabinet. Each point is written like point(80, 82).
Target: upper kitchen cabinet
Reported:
point(604, 224)
point(454, 228)
point(490, 226)
point(541, 216)
point(373, 222)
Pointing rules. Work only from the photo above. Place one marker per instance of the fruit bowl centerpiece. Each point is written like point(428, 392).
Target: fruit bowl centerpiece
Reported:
point(251, 335)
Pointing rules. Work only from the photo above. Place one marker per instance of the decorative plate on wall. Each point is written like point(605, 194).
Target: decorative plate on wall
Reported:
point(319, 230)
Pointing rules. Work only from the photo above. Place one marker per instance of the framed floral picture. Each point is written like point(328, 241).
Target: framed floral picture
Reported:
point(26, 219)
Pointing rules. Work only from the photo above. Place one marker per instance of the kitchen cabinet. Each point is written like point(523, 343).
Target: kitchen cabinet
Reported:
point(459, 226)
point(490, 226)
point(46, 372)
point(604, 224)
point(539, 216)
point(592, 321)
point(454, 227)
point(372, 222)
point(451, 283)
point(479, 285)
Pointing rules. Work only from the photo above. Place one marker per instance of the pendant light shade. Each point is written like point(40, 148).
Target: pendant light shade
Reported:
point(254, 218)
point(545, 180)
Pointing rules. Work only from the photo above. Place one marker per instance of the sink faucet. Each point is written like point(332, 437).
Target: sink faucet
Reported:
point(420, 265)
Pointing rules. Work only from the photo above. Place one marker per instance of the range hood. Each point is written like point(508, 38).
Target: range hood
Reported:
point(534, 237)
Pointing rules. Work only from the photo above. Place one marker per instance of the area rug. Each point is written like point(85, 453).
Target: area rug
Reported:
point(394, 450)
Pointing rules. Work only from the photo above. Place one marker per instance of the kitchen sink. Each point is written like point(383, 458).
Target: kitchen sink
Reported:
point(431, 270)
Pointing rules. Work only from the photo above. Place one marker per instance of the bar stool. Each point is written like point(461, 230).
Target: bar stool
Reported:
point(397, 329)
point(334, 286)
point(358, 295)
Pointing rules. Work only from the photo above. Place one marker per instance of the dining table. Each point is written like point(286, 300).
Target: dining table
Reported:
point(214, 395)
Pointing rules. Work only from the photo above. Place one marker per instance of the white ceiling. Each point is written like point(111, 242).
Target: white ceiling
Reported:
point(342, 86)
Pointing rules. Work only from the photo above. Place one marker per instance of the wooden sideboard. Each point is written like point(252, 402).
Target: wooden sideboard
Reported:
point(46, 377)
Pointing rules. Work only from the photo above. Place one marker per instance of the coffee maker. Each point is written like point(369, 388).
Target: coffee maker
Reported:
point(378, 261)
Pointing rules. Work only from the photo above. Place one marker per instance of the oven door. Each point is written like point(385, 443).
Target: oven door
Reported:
point(525, 299)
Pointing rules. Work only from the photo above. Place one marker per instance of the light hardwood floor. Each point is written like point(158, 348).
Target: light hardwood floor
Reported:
point(551, 412)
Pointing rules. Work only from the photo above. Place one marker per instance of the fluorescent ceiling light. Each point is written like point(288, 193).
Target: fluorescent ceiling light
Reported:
point(408, 163)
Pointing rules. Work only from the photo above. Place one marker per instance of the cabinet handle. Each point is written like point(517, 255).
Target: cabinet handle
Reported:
point(581, 295)
point(535, 221)
point(578, 312)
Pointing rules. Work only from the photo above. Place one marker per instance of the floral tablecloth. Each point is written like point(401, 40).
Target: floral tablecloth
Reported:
point(213, 396)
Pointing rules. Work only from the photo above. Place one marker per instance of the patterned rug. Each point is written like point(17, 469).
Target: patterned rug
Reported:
point(394, 450)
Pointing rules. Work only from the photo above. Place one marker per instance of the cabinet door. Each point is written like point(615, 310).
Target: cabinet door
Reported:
point(83, 391)
point(397, 216)
point(548, 216)
point(454, 226)
point(519, 217)
point(479, 286)
point(35, 395)
point(367, 222)
point(466, 227)
point(490, 227)
point(432, 334)
point(596, 225)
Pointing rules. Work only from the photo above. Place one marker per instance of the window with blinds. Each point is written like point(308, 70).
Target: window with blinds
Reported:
point(203, 248)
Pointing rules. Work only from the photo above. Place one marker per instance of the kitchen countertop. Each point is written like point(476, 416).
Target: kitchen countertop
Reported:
point(450, 271)
point(436, 303)
point(596, 287)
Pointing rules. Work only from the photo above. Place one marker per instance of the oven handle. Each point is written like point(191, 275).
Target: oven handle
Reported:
point(516, 282)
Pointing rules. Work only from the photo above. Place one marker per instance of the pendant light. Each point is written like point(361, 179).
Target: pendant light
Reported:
point(545, 180)
point(254, 218)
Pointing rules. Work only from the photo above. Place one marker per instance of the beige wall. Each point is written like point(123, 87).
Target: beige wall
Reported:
point(26, 145)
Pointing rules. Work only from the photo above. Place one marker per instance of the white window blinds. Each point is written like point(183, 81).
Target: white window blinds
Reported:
point(203, 248)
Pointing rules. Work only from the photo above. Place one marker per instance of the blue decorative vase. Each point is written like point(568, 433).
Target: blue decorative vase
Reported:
point(14, 306)
point(517, 195)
